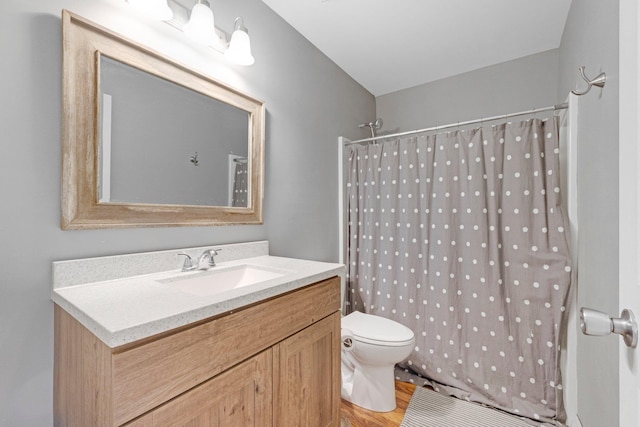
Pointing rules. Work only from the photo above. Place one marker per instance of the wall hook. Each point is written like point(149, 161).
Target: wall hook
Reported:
point(194, 159)
point(598, 81)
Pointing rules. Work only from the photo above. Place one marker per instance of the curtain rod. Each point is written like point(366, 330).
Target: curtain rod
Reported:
point(562, 106)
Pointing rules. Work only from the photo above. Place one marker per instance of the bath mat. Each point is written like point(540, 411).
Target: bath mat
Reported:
point(432, 409)
point(344, 422)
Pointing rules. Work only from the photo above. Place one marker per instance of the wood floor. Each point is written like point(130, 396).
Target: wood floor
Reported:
point(362, 418)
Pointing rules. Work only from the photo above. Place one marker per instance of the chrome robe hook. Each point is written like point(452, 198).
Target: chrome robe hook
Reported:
point(598, 81)
point(194, 159)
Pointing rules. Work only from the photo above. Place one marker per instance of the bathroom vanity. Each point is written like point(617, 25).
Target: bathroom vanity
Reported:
point(253, 341)
point(263, 354)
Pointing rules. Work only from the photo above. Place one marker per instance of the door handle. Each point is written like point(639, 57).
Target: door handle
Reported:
point(593, 322)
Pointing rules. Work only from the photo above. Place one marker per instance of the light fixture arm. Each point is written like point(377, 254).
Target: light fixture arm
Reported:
point(238, 24)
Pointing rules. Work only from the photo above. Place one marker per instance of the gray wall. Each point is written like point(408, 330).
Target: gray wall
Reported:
point(591, 39)
point(310, 102)
point(518, 85)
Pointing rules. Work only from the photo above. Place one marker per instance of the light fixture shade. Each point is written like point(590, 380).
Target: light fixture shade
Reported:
point(156, 9)
point(201, 25)
point(239, 50)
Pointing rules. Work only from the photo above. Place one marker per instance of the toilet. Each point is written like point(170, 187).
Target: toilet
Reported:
point(371, 346)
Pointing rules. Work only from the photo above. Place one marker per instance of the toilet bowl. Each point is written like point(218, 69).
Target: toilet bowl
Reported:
point(371, 346)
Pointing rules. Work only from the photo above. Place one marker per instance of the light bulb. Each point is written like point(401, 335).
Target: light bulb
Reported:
point(201, 25)
point(239, 50)
point(156, 9)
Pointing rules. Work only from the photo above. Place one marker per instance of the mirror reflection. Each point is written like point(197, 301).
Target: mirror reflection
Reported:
point(163, 143)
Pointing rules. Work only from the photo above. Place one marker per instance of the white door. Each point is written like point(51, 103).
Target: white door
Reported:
point(629, 172)
point(599, 403)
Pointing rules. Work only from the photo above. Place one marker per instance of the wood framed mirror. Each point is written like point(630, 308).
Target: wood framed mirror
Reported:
point(134, 161)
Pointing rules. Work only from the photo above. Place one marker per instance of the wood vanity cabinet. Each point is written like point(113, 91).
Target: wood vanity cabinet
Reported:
point(274, 363)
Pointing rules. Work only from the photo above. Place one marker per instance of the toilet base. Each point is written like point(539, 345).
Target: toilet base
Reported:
point(372, 388)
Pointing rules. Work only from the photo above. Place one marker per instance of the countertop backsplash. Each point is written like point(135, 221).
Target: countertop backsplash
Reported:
point(88, 270)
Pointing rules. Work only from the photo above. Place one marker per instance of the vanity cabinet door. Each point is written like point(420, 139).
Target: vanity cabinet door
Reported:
point(241, 396)
point(307, 376)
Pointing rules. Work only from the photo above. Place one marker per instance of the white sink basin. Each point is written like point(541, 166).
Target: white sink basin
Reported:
point(215, 281)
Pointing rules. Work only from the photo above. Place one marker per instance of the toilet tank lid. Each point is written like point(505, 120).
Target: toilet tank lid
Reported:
point(377, 328)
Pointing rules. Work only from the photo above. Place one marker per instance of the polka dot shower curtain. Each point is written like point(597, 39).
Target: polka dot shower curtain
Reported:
point(240, 185)
point(461, 236)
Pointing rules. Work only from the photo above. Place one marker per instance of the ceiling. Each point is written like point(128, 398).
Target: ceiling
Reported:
point(389, 45)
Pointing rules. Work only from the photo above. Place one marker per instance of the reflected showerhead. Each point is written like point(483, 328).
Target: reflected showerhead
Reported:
point(373, 126)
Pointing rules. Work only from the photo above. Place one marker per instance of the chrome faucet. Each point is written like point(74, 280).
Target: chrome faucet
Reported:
point(188, 262)
point(205, 261)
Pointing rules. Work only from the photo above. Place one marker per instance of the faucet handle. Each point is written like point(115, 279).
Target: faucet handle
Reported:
point(213, 253)
point(188, 262)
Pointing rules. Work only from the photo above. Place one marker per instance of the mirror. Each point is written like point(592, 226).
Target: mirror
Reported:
point(149, 142)
point(163, 143)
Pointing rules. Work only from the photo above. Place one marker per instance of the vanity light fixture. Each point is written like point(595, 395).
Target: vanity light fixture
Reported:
point(156, 9)
point(201, 26)
point(239, 49)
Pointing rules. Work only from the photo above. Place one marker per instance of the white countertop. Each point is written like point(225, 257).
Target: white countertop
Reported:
point(128, 309)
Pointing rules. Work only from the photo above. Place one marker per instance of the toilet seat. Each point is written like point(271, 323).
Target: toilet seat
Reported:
point(376, 330)
point(383, 343)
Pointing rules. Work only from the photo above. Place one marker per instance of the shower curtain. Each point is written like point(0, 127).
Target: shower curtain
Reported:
point(461, 236)
point(240, 185)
